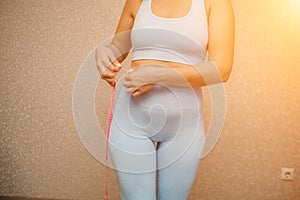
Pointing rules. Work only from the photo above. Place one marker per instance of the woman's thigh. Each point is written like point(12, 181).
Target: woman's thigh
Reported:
point(133, 155)
point(178, 160)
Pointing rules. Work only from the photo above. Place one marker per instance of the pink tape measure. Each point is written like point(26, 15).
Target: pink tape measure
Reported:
point(110, 115)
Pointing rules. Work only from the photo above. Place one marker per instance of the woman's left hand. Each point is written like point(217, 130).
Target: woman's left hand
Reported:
point(141, 79)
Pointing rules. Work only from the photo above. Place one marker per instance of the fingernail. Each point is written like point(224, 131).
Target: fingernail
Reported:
point(119, 65)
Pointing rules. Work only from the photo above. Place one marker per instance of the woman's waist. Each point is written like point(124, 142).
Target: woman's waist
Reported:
point(141, 62)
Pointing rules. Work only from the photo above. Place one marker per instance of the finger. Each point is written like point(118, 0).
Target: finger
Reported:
point(128, 78)
point(110, 79)
point(107, 74)
point(103, 62)
point(127, 84)
point(141, 90)
point(115, 65)
point(130, 90)
point(106, 62)
point(112, 58)
point(136, 93)
point(129, 71)
point(100, 67)
point(111, 83)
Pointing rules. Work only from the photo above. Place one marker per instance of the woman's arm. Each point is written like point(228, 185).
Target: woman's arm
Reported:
point(109, 57)
point(221, 32)
point(121, 39)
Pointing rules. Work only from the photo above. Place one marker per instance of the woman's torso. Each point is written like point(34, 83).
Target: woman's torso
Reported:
point(173, 15)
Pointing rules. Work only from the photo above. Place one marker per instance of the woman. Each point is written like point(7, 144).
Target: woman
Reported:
point(160, 99)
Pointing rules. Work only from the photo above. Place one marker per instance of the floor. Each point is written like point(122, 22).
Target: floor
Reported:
point(23, 198)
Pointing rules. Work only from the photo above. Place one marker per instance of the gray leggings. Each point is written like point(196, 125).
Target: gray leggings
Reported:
point(172, 117)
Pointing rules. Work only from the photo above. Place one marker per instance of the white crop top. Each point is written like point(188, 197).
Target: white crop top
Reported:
point(182, 39)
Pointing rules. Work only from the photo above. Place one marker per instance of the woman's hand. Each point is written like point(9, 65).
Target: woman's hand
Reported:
point(141, 79)
point(107, 64)
point(141, 90)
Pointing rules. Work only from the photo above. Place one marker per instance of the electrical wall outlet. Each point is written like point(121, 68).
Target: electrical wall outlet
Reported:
point(287, 174)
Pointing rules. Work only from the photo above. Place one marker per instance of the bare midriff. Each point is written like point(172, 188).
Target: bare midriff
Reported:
point(142, 62)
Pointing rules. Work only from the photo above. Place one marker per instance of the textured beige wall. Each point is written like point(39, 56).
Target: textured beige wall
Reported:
point(42, 46)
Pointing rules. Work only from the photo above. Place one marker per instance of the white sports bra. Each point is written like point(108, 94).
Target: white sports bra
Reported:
point(182, 39)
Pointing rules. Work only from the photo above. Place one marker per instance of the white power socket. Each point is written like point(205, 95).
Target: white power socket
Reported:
point(287, 174)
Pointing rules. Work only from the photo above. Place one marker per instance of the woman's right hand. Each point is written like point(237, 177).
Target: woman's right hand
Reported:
point(107, 64)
